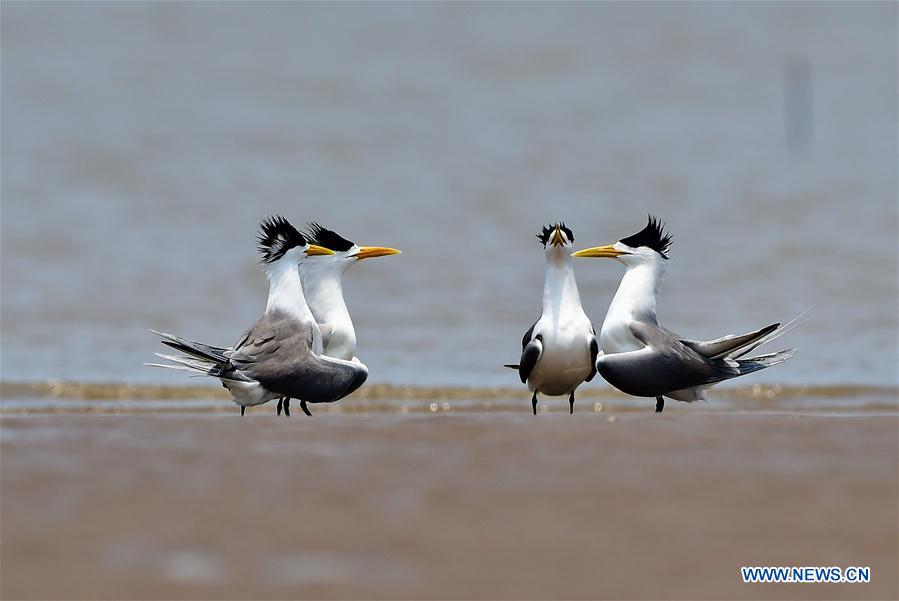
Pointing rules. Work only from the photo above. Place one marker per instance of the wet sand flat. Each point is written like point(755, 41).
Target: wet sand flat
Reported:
point(470, 505)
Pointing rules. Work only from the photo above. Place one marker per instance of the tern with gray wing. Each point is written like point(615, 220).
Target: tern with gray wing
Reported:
point(640, 357)
point(559, 351)
point(278, 357)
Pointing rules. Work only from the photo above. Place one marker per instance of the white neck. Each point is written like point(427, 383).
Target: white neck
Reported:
point(559, 286)
point(635, 300)
point(637, 293)
point(324, 293)
point(323, 286)
point(285, 291)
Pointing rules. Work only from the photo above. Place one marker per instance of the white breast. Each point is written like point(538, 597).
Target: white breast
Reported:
point(565, 361)
point(634, 299)
point(340, 341)
point(616, 337)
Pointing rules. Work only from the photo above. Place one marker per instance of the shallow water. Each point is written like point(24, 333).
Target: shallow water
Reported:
point(142, 142)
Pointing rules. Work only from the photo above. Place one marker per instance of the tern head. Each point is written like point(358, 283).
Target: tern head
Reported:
point(649, 245)
point(278, 239)
point(557, 239)
point(345, 252)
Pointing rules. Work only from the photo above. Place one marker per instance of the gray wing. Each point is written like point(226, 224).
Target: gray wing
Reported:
point(530, 354)
point(594, 352)
point(664, 365)
point(325, 380)
point(724, 346)
point(524, 343)
point(274, 338)
point(276, 352)
point(527, 335)
point(691, 363)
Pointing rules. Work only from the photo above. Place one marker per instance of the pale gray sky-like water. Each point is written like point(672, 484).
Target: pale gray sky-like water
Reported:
point(143, 142)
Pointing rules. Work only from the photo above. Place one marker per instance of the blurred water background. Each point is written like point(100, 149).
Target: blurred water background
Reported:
point(143, 142)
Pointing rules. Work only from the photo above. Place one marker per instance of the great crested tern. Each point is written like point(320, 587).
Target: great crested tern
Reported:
point(642, 358)
point(558, 352)
point(322, 278)
point(278, 356)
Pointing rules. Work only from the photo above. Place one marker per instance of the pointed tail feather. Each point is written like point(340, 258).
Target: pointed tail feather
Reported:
point(197, 365)
point(200, 367)
point(178, 367)
point(726, 346)
point(512, 366)
point(759, 362)
point(777, 333)
point(196, 349)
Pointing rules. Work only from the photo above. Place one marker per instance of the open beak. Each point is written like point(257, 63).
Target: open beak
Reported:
point(318, 250)
point(608, 251)
point(557, 238)
point(370, 252)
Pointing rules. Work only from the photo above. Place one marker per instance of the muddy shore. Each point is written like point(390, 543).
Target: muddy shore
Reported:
point(423, 505)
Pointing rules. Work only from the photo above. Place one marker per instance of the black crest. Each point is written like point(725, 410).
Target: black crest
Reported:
point(327, 238)
point(276, 237)
point(548, 230)
point(652, 236)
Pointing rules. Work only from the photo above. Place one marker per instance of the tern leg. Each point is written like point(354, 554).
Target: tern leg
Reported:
point(280, 400)
point(660, 404)
point(571, 404)
point(305, 408)
point(534, 402)
point(242, 409)
point(286, 406)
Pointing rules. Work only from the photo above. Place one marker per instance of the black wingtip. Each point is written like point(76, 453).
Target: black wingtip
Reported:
point(767, 330)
